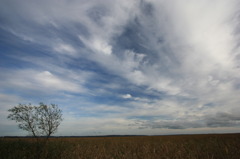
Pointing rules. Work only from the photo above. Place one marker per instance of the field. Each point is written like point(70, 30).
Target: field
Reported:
point(224, 146)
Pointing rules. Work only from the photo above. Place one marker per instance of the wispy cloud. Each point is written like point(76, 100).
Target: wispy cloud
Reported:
point(38, 80)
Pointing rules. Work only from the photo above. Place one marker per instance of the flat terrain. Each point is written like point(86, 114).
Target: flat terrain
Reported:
point(214, 146)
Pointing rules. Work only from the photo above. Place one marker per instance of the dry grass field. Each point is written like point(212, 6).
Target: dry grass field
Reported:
point(224, 146)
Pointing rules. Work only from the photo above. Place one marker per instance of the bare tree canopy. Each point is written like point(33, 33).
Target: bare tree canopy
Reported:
point(42, 120)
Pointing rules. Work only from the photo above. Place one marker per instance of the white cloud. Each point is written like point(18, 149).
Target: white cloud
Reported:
point(65, 49)
point(43, 81)
point(200, 41)
point(48, 80)
point(97, 46)
point(126, 96)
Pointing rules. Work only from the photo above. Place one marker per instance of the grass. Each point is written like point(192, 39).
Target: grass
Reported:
point(224, 146)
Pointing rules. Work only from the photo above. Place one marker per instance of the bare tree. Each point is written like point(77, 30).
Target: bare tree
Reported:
point(42, 120)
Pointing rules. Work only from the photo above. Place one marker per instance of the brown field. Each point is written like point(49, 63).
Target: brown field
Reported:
point(224, 146)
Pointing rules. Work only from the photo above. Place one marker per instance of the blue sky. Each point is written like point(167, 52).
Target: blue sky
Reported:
point(123, 67)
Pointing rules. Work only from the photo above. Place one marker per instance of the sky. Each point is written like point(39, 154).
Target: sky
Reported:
point(139, 67)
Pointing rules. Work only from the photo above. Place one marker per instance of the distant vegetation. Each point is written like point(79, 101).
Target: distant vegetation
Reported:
point(225, 146)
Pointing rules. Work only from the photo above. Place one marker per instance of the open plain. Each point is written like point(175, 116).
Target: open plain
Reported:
point(208, 146)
